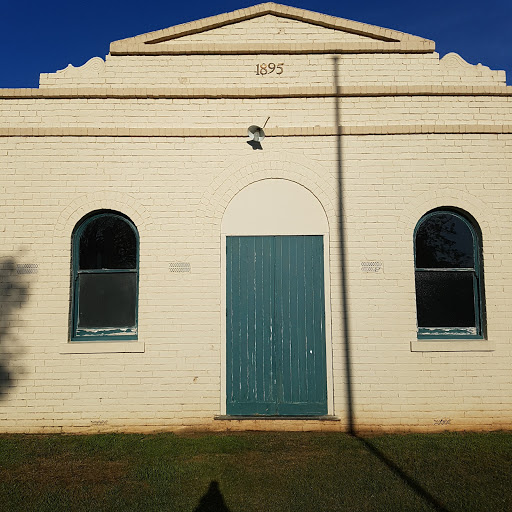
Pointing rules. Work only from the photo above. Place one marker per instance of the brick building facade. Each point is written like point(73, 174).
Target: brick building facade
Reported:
point(353, 267)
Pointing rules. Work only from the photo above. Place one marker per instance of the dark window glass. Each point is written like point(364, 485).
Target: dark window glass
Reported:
point(445, 299)
point(105, 252)
point(444, 240)
point(107, 242)
point(107, 300)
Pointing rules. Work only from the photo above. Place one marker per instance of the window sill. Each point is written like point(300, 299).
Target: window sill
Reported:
point(229, 417)
point(101, 347)
point(453, 345)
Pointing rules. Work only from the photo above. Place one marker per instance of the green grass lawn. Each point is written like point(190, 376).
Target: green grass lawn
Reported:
point(256, 472)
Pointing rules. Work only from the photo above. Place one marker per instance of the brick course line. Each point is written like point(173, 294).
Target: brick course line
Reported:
point(315, 131)
point(265, 92)
point(273, 49)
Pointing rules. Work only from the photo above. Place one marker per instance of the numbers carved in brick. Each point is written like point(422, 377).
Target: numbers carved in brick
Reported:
point(270, 67)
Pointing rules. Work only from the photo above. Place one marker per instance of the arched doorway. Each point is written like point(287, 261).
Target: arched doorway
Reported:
point(274, 234)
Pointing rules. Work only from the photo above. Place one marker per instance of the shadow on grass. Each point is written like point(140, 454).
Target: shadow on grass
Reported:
point(212, 500)
point(415, 486)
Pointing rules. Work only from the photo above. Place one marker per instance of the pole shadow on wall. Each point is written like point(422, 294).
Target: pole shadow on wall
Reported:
point(14, 293)
point(351, 420)
point(343, 258)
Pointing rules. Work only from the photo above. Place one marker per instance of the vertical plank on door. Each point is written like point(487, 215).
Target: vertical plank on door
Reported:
point(249, 301)
point(300, 314)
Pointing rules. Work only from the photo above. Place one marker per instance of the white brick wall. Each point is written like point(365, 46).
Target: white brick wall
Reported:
point(179, 313)
point(240, 113)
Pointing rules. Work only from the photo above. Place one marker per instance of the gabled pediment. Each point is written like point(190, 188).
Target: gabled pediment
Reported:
point(271, 28)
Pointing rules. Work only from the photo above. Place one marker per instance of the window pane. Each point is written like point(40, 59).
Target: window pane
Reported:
point(445, 299)
point(107, 242)
point(444, 241)
point(107, 300)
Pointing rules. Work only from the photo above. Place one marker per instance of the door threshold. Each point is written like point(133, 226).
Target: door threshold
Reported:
point(325, 417)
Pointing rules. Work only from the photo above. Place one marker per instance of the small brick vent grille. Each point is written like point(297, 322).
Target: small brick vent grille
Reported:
point(179, 267)
point(27, 268)
point(371, 266)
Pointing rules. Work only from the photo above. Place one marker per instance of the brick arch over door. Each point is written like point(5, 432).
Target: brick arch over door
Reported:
point(272, 165)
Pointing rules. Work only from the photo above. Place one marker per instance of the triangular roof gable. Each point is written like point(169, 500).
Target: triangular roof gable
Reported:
point(149, 42)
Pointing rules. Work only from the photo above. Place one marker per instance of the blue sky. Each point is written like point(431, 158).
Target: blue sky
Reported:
point(43, 37)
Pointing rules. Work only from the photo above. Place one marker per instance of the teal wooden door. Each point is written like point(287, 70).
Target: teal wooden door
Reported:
point(275, 323)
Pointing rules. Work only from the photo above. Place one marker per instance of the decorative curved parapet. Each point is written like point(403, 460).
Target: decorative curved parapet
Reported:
point(94, 66)
point(453, 60)
point(454, 67)
point(91, 73)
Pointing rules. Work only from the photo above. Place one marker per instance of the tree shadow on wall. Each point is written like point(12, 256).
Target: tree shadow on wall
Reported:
point(14, 293)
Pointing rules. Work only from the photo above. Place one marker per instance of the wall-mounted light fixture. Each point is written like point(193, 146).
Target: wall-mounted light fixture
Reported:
point(256, 135)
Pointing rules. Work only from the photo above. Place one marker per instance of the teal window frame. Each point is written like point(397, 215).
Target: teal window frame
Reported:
point(456, 333)
point(121, 333)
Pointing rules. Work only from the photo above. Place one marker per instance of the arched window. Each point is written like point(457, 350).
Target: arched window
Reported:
point(448, 276)
point(105, 278)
